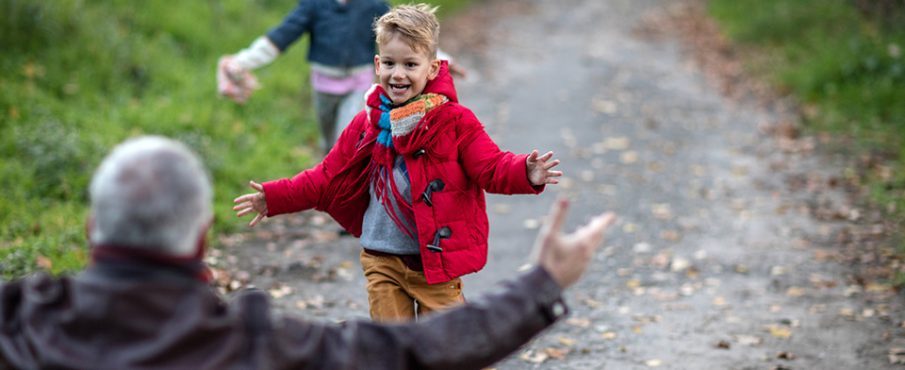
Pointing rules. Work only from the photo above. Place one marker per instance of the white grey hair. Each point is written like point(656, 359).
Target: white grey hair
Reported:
point(151, 193)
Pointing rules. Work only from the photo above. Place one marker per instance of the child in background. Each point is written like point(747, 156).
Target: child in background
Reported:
point(408, 176)
point(340, 51)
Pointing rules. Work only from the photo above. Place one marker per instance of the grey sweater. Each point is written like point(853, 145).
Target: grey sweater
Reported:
point(378, 231)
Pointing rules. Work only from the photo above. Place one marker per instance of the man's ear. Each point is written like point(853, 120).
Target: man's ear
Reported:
point(435, 69)
point(377, 65)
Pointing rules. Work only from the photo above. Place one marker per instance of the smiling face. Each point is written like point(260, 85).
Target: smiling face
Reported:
point(403, 71)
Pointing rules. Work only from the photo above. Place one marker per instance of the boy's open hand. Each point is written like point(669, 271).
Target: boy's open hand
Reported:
point(539, 169)
point(253, 202)
point(565, 257)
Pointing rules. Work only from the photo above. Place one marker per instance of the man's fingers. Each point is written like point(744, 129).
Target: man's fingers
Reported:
point(557, 216)
point(593, 231)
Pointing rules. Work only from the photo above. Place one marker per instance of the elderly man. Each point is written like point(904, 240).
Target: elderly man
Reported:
point(144, 301)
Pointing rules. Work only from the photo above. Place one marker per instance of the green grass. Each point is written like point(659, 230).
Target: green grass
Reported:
point(78, 77)
point(846, 64)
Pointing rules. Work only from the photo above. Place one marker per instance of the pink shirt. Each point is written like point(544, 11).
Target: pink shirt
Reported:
point(358, 81)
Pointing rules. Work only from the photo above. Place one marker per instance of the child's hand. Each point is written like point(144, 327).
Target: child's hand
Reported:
point(233, 81)
point(458, 71)
point(565, 257)
point(253, 202)
point(539, 169)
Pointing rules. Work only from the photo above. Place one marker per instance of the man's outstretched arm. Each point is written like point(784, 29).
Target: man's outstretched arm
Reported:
point(472, 336)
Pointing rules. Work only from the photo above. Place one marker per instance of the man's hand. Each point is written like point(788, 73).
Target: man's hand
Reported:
point(538, 168)
point(253, 202)
point(565, 257)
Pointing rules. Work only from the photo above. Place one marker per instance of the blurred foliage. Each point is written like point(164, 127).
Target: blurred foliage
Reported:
point(77, 77)
point(845, 61)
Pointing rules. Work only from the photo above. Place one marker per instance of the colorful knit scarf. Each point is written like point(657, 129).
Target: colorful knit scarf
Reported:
point(395, 123)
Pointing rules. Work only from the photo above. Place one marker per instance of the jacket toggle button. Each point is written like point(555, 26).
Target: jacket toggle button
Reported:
point(436, 185)
point(443, 233)
point(418, 153)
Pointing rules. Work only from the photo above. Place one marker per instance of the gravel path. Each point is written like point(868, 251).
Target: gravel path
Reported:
point(726, 252)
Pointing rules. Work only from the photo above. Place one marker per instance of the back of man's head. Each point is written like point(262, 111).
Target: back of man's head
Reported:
point(150, 193)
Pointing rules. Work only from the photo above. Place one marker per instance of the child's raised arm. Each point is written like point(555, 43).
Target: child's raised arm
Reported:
point(538, 168)
point(252, 202)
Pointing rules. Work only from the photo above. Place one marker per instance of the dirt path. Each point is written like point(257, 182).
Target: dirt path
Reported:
point(727, 251)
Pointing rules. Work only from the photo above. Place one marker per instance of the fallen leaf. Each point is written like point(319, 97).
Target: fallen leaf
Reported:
point(533, 357)
point(661, 260)
point(641, 248)
point(556, 353)
point(610, 335)
point(877, 288)
point(629, 228)
point(778, 331)
point(719, 301)
point(748, 340)
point(629, 157)
point(653, 363)
point(616, 143)
point(592, 303)
point(531, 223)
point(580, 322)
point(897, 356)
point(662, 211)
point(785, 355)
point(502, 209)
point(603, 105)
point(280, 292)
point(795, 291)
point(723, 344)
point(679, 264)
point(670, 235)
point(847, 313)
point(566, 341)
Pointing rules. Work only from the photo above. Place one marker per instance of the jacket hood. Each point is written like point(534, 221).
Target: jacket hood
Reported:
point(442, 84)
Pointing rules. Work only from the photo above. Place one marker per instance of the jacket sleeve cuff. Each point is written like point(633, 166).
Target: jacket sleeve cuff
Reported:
point(275, 194)
point(261, 52)
point(547, 293)
point(518, 176)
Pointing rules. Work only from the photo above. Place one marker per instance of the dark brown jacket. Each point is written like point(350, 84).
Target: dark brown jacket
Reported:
point(138, 317)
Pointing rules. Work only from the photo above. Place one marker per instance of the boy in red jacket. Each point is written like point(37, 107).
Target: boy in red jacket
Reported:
point(408, 176)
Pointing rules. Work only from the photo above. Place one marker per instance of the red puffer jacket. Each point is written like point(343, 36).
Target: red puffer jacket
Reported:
point(449, 172)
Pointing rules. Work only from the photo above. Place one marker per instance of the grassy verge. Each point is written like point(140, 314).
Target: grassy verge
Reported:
point(79, 77)
point(845, 61)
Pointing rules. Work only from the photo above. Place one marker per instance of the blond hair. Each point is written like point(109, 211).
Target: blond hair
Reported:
point(416, 24)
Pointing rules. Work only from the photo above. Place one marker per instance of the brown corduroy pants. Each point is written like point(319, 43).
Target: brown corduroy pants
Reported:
point(398, 293)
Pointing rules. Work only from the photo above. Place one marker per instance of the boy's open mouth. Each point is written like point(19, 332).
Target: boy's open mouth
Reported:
point(398, 88)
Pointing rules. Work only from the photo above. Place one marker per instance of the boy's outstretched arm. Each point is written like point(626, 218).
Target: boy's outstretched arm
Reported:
point(538, 168)
point(252, 202)
point(498, 171)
